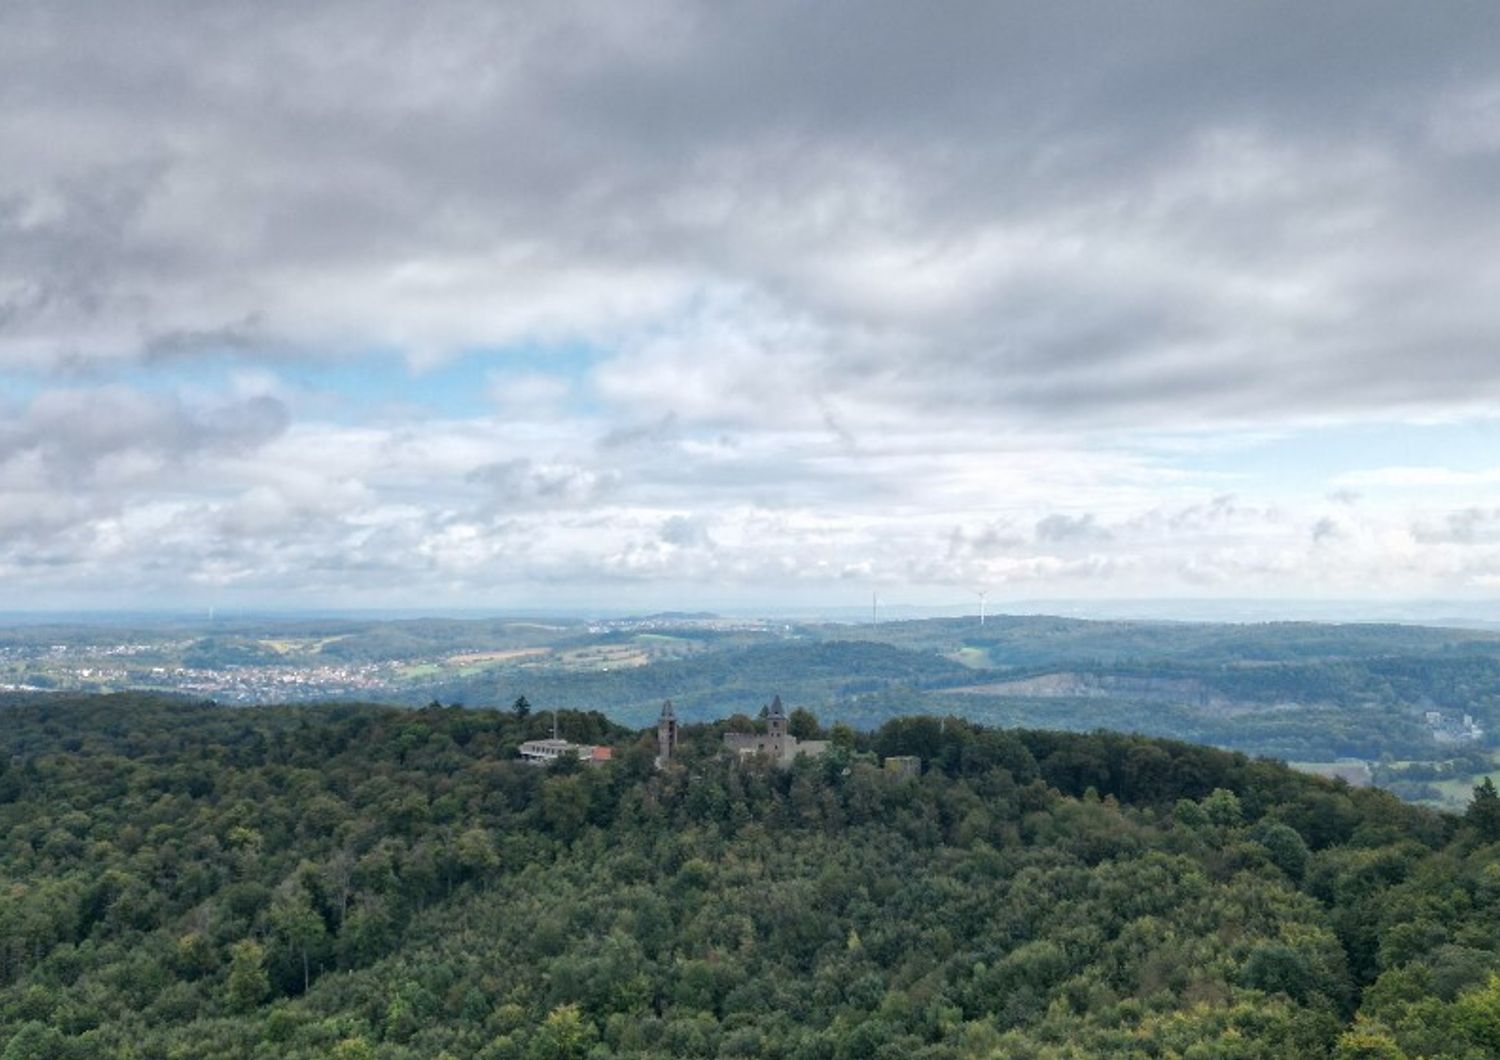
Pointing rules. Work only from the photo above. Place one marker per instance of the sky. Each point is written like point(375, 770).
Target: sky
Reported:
point(666, 304)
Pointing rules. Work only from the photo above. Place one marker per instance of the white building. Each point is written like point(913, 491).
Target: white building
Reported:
point(544, 752)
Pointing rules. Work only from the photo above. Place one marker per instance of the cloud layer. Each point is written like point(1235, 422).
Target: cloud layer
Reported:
point(742, 299)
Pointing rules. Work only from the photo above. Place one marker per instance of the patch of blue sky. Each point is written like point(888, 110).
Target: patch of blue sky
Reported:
point(20, 389)
point(1310, 460)
point(368, 386)
point(572, 362)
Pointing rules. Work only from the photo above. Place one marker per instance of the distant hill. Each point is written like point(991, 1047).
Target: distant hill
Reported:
point(1043, 641)
point(720, 682)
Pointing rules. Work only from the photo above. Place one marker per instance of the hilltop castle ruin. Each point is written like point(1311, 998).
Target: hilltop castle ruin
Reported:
point(776, 743)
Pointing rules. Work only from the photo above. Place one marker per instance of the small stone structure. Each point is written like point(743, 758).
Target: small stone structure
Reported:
point(904, 765)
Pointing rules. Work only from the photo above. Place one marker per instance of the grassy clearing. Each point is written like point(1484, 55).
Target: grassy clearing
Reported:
point(469, 659)
point(1355, 773)
point(418, 671)
point(1460, 790)
point(299, 645)
point(973, 658)
point(604, 657)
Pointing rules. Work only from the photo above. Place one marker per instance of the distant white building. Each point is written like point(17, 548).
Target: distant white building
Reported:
point(1449, 730)
point(545, 752)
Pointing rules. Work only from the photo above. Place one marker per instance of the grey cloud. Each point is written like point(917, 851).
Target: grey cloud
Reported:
point(658, 432)
point(71, 433)
point(523, 482)
point(62, 241)
point(1061, 529)
point(1199, 213)
point(1326, 529)
point(837, 428)
point(282, 515)
point(245, 336)
point(1221, 514)
point(35, 518)
point(686, 531)
point(1221, 508)
point(74, 464)
point(1468, 526)
point(990, 539)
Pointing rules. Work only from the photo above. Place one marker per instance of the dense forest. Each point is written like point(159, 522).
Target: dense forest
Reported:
point(186, 880)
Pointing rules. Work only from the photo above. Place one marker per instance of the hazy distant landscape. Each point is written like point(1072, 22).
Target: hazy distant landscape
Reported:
point(1409, 707)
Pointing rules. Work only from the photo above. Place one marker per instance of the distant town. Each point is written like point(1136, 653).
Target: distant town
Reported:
point(235, 665)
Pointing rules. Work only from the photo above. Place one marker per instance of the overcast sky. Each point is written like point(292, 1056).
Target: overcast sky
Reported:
point(671, 304)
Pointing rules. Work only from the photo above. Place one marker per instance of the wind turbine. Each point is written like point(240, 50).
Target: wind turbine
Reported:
point(981, 593)
point(874, 607)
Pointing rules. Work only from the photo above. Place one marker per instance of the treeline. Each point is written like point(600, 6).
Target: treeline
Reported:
point(183, 880)
point(1310, 733)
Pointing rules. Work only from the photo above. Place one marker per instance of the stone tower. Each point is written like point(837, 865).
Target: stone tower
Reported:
point(776, 728)
point(666, 734)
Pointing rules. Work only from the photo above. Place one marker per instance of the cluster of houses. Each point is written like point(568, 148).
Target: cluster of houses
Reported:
point(1448, 729)
point(776, 744)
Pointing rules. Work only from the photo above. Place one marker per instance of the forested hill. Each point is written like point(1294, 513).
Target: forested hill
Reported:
point(183, 880)
point(1046, 640)
point(721, 682)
